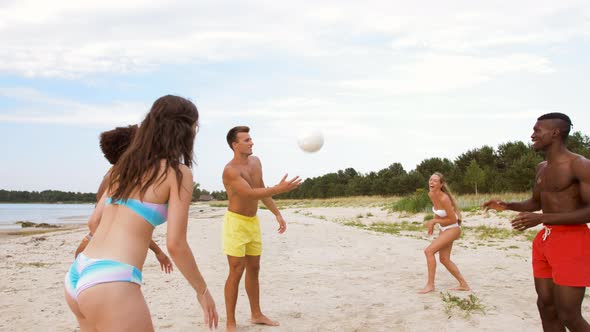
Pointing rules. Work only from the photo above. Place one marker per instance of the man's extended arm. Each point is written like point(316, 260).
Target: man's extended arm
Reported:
point(272, 207)
point(530, 205)
point(239, 186)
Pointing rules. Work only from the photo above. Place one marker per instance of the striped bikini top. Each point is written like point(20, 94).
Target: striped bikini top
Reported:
point(155, 214)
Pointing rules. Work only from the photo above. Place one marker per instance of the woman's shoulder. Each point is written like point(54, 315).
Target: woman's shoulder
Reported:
point(185, 172)
point(185, 169)
point(164, 165)
point(444, 198)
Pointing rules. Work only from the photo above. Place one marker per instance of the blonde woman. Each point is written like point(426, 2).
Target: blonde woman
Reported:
point(448, 217)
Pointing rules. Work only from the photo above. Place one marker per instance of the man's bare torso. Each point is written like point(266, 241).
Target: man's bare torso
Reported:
point(557, 187)
point(252, 174)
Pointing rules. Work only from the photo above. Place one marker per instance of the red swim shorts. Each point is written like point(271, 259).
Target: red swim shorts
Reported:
point(562, 252)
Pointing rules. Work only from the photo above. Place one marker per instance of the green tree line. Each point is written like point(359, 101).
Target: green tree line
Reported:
point(198, 193)
point(508, 168)
point(46, 196)
point(56, 196)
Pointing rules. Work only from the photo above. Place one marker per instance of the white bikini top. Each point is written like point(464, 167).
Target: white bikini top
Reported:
point(440, 213)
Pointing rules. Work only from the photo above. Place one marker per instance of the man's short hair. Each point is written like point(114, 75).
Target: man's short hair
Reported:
point(564, 125)
point(232, 134)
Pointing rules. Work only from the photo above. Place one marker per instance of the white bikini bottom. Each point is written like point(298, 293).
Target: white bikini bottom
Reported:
point(444, 228)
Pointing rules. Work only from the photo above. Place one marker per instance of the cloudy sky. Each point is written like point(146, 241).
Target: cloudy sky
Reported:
point(385, 81)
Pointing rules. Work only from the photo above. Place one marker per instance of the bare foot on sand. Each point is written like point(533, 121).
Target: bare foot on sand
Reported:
point(263, 320)
point(229, 327)
point(463, 288)
point(426, 289)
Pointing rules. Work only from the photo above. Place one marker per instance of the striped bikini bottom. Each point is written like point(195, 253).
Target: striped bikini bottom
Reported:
point(86, 272)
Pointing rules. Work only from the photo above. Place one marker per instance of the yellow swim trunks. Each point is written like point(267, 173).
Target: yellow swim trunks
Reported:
point(241, 235)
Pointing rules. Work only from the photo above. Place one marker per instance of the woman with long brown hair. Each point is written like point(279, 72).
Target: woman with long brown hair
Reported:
point(149, 185)
point(113, 144)
point(448, 216)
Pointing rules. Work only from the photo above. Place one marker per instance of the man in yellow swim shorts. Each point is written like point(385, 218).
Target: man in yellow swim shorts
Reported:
point(242, 179)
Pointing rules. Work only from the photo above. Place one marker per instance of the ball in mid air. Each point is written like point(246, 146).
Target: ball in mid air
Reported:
point(311, 141)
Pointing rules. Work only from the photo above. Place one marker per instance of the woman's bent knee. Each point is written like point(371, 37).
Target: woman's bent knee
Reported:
point(445, 260)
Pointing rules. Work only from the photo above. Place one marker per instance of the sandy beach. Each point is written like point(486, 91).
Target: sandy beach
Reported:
point(328, 272)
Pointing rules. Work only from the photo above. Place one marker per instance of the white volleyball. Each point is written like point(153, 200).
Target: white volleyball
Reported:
point(311, 141)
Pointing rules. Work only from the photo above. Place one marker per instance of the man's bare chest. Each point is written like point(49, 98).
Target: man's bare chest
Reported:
point(555, 179)
point(252, 176)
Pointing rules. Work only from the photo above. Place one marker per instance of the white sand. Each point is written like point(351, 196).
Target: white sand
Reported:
point(318, 276)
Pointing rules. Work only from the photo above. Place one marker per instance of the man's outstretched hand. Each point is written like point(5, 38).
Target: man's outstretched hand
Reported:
point(495, 204)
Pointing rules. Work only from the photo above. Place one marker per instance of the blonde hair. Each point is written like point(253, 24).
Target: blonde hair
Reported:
point(445, 189)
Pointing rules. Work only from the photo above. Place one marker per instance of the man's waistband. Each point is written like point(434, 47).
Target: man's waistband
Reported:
point(240, 216)
point(565, 228)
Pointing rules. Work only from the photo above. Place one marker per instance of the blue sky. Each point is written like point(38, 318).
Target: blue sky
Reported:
point(385, 81)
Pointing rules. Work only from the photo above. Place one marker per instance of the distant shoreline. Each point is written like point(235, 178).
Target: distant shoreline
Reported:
point(27, 231)
point(48, 213)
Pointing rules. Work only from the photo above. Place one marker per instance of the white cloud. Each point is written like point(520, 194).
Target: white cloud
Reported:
point(40, 12)
point(499, 115)
point(37, 107)
point(384, 80)
point(442, 73)
point(73, 39)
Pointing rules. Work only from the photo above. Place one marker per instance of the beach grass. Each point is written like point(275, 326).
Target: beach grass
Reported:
point(355, 201)
point(354, 223)
point(34, 264)
point(219, 204)
point(419, 201)
point(396, 228)
point(416, 202)
point(466, 306)
point(389, 228)
point(472, 202)
point(486, 232)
